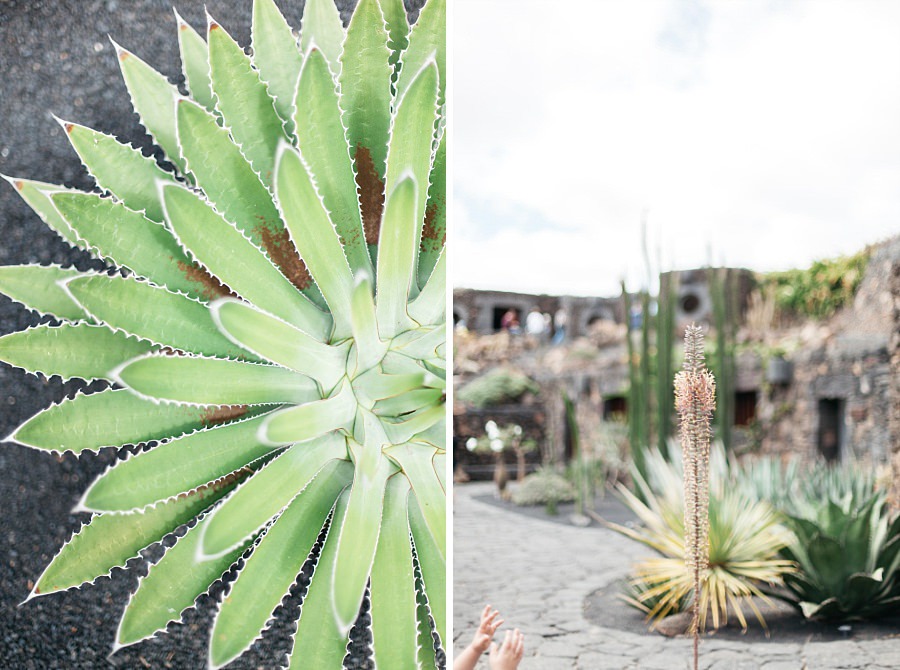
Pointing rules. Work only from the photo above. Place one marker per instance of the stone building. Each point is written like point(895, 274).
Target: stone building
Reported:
point(481, 311)
point(819, 389)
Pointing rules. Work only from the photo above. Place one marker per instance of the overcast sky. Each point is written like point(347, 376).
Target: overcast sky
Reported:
point(761, 134)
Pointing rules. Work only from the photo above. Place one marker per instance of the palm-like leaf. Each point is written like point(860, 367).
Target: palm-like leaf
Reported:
point(745, 537)
point(278, 329)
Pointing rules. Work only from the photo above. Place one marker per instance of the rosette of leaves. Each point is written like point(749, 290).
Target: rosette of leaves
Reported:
point(270, 330)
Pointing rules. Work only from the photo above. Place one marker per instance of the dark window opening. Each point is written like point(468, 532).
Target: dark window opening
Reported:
point(615, 408)
point(745, 407)
point(497, 317)
point(831, 428)
point(689, 303)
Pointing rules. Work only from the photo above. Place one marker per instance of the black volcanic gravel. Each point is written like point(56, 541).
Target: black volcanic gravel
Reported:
point(56, 58)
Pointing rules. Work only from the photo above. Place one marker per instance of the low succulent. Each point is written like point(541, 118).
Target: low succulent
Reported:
point(269, 333)
point(848, 553)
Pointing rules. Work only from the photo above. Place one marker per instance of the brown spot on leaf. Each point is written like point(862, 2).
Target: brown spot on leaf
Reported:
point(212, 287)
point(68, 126)
point(284, 254)
point(19, 184)
point(217, 415)
point(371, 193)
point(182, 25)
point(123, 54)
point(434, 236)
point(213, 26)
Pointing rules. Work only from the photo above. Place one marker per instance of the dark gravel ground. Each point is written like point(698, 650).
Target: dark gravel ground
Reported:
point(55, 58)
point(605, 608)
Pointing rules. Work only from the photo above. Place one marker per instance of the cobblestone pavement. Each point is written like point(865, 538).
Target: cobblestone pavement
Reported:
point(538, 575)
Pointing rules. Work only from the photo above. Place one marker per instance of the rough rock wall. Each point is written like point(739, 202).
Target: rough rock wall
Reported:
point(895, 388)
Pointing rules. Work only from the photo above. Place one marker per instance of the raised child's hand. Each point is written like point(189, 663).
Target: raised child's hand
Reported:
point(508, 654)
point(490, 622)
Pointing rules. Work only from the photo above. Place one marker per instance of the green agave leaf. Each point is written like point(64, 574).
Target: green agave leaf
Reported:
point(248, 111)
point(375, 385)
point(195, 63)
point(120, 169)
point(36, 195)
point(393, 589)
point(408, 402)
point(153, 98)
point(276, 57)
point(417, 463)
point(434, 230)
point(234, 259)
point(432, 566)
point(440, 468)
point(309, 421)
point(271, 490)
point(412, 135)
point(177, 466)
point(276, 340)
point(314, 235)
point(396, 259)
point(213, 381)
point(272, 568)
point(436, 436)
point(171, 586)
point(318, 641)
point(423, 347)
point(110, 418)
point(369, 347)
point(128, 239)
point(359, 531)
point(38, 287)
point(236, 191)
point(429, 307)
point(427, 40)
point(414, 424)
point(323, 143)
point(366, 97)
point(152, 313)
point(109, 540)
point(81, 350)
point(427, 658)
point(321, 26)
point(398, 28)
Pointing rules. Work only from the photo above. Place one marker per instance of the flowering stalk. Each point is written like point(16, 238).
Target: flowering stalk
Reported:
point(695, 401)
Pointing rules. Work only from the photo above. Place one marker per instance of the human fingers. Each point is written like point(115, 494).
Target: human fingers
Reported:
point(494, 625)
point(519, 645)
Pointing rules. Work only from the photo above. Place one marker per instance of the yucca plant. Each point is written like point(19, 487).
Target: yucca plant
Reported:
point(270, 330)
point(745, 537)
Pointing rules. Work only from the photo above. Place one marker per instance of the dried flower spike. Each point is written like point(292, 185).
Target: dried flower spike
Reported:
point(695, 400)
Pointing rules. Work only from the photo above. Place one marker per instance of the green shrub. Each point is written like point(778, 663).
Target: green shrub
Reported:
point(498, 387)
point(819, 290)
point(544, 487)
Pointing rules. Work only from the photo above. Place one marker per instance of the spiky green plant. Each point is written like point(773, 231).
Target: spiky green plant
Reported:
point(744, 538)
point(274, 330)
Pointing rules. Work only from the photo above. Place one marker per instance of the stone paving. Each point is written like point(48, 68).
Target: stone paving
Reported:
point(538, 574)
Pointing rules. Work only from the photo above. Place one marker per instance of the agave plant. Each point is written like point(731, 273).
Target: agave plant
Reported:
point(848, 552)
point(270, 330)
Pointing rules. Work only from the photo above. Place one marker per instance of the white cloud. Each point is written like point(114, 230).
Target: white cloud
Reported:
point(769, 132)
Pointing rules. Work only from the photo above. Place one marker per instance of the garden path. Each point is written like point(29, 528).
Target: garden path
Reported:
point(538, 575)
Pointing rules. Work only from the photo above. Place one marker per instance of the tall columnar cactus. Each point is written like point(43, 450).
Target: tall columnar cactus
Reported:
point(695, 401)
point(273, 329)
